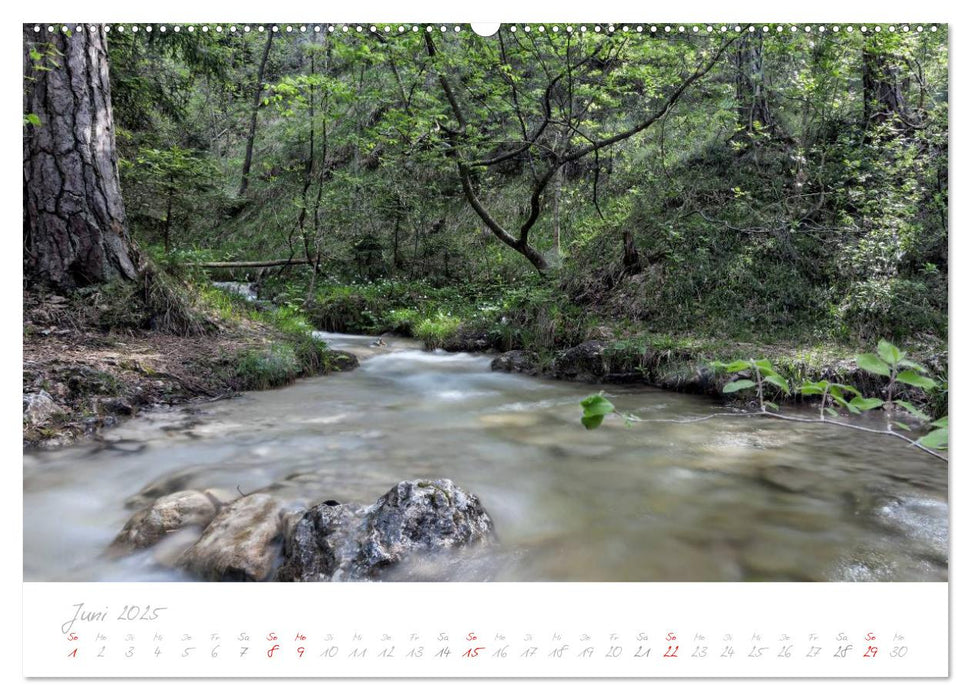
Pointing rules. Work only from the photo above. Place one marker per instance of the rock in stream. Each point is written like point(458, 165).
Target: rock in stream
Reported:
point(355, 543)
point(246, 539)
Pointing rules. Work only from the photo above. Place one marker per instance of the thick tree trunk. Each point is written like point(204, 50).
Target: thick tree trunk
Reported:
point(75, 231)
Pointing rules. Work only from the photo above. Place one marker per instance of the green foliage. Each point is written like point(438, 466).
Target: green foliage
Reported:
point(844, 396)
point(872, 363)
point(814, 223)
point(892, 363)
point(268, 367)
point(164, 188)
point(761, 372)
point(887, 362)
point(936, 439)
point(436, 330)
point(823, 220)
point(595, 409)
point(738, 385)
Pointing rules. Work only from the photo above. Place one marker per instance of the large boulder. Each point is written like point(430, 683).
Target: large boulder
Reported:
point(166, 515)
point(334, 542)
point(241, 542)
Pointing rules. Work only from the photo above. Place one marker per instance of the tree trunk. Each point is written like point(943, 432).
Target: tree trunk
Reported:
point(632, 260)
point(168, 216)
point(75, 230)
point(258, 95)
point(883, 97)
point(751, 98)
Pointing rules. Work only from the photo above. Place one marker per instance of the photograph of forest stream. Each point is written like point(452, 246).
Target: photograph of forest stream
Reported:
point(398, 302)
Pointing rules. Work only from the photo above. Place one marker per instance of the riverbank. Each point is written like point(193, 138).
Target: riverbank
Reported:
point(80, 376)
point(538, 330)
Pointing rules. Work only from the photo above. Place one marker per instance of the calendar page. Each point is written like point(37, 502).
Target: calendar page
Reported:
point(587, 346)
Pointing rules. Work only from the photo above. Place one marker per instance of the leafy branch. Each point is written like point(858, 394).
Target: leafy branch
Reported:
point(889, 361)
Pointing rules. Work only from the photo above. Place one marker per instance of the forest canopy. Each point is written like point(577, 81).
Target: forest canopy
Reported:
point(769, 180)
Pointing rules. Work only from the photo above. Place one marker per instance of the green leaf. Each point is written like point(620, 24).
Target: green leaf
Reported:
point(778, 381)
point(32, 119)
point(866, 404)
point(831, 411)
point(940, 422)
point(813, 388)
point(596, 405)
point(869, 362)
point(889, 352)
point(737, 386)
point(935, 439)
point(908, 376)
point(913, 365)
point(913, 410)
point(764, 365)
point(591, 422)
point(902, 426)
point(773, 406)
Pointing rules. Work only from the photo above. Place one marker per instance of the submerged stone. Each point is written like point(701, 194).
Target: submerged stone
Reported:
point(168, 514)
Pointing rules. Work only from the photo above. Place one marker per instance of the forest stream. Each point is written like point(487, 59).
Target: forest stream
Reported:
point(726, 499)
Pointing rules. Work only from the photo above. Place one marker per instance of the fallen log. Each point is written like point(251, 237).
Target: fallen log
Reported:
point(252, 263)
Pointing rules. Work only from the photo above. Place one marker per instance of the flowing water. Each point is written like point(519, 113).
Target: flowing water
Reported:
point(726, 499)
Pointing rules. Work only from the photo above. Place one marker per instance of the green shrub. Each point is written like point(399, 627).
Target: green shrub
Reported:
point(268, 367)
point(434, 331)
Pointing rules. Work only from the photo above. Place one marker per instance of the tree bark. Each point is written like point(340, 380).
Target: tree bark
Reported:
point(257, 98)
point(751, 98)
point(75, 230)
point(883, 97)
